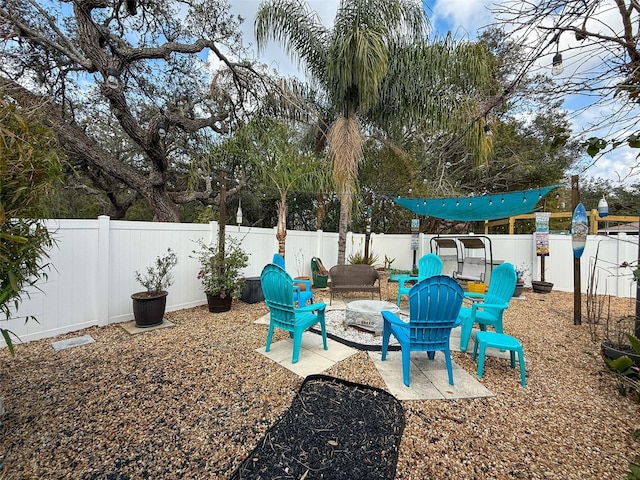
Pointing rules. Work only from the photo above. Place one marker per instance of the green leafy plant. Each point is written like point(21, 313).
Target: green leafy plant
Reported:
point(387, 262)
point(159, 276)
point(634, 469)
point(220, 268)
point(30, 164)
point(624, 365)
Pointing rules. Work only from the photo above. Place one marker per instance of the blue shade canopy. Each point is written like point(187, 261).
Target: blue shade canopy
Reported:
point(473, 209)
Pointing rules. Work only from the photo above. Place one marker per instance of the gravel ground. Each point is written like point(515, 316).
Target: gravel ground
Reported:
point(193, 400)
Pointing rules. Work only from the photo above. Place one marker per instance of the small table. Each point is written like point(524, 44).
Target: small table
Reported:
point(366, 314)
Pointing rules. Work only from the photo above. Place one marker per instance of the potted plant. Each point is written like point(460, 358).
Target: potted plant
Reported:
point(305, 281)
point(149, 306)
point(220, 272)
point(618, 340)
point(521, 272)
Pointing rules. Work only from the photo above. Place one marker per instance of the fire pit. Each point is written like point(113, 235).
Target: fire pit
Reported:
point(365, 314)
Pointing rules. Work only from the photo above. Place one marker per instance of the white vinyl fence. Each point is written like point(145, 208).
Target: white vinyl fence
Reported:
point(92, 267)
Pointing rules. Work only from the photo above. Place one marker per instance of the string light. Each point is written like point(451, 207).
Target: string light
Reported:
point(490, 201)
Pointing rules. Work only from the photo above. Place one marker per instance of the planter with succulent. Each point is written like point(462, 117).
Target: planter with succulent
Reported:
point(395, 274)
point(149, 306)
point(220, 272)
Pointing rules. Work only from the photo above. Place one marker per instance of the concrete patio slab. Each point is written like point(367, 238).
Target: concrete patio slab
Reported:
point(428, 379)
point(313, 357)
point(72, 342)
point(131, 329)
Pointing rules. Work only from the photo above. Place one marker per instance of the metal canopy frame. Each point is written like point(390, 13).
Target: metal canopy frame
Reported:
point(462, 243)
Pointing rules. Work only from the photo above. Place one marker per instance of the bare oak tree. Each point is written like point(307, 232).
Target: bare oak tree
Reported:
point(132, 88)
point(596, 42)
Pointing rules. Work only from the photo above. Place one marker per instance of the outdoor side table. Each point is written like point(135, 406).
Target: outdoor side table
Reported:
point(252, 290)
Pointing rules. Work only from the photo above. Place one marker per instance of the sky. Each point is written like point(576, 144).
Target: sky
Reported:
point(463, 18)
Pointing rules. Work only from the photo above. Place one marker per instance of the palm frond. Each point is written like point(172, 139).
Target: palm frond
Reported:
point(297, 28)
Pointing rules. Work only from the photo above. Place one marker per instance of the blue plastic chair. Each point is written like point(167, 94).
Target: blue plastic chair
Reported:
point(487, 309)
point(428, 266)
point(434, 304)
point(277, 288)
point(301, 296)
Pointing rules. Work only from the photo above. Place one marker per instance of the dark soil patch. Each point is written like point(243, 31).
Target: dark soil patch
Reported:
point(334, 429)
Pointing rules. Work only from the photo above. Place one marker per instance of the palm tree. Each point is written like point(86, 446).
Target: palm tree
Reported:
point(371, 64)
point(273, 150)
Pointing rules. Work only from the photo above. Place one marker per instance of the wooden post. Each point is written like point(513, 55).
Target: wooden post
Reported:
point(222, 217)
point(577, 294)
point(367, 234)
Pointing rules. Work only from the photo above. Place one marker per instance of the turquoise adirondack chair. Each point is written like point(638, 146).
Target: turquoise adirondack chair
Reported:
point(434, 304)
point(299, 295)
point(428, 266)
point(487, 309)
point(277, 288)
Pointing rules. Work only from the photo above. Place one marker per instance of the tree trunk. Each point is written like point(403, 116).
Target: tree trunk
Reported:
point(152, 187)
point(345, 210)
point(281, 230)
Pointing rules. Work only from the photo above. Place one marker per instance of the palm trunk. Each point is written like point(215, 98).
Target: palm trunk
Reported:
point(345, 211)
point(281, 230)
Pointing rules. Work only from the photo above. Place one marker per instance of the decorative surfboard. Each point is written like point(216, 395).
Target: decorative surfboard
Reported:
point(579, 230)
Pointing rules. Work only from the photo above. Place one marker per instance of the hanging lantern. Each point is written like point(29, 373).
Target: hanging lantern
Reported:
point(239, 214)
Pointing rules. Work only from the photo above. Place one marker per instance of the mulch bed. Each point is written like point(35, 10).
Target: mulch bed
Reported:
point(334, 429)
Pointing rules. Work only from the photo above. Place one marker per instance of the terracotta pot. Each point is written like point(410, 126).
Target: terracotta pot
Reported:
point(303, 286)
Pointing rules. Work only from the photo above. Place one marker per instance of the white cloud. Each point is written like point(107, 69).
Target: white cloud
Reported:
point(461, 17)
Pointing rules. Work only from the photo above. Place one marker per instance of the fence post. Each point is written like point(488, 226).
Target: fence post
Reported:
point(102, 279)
point(319, 242)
